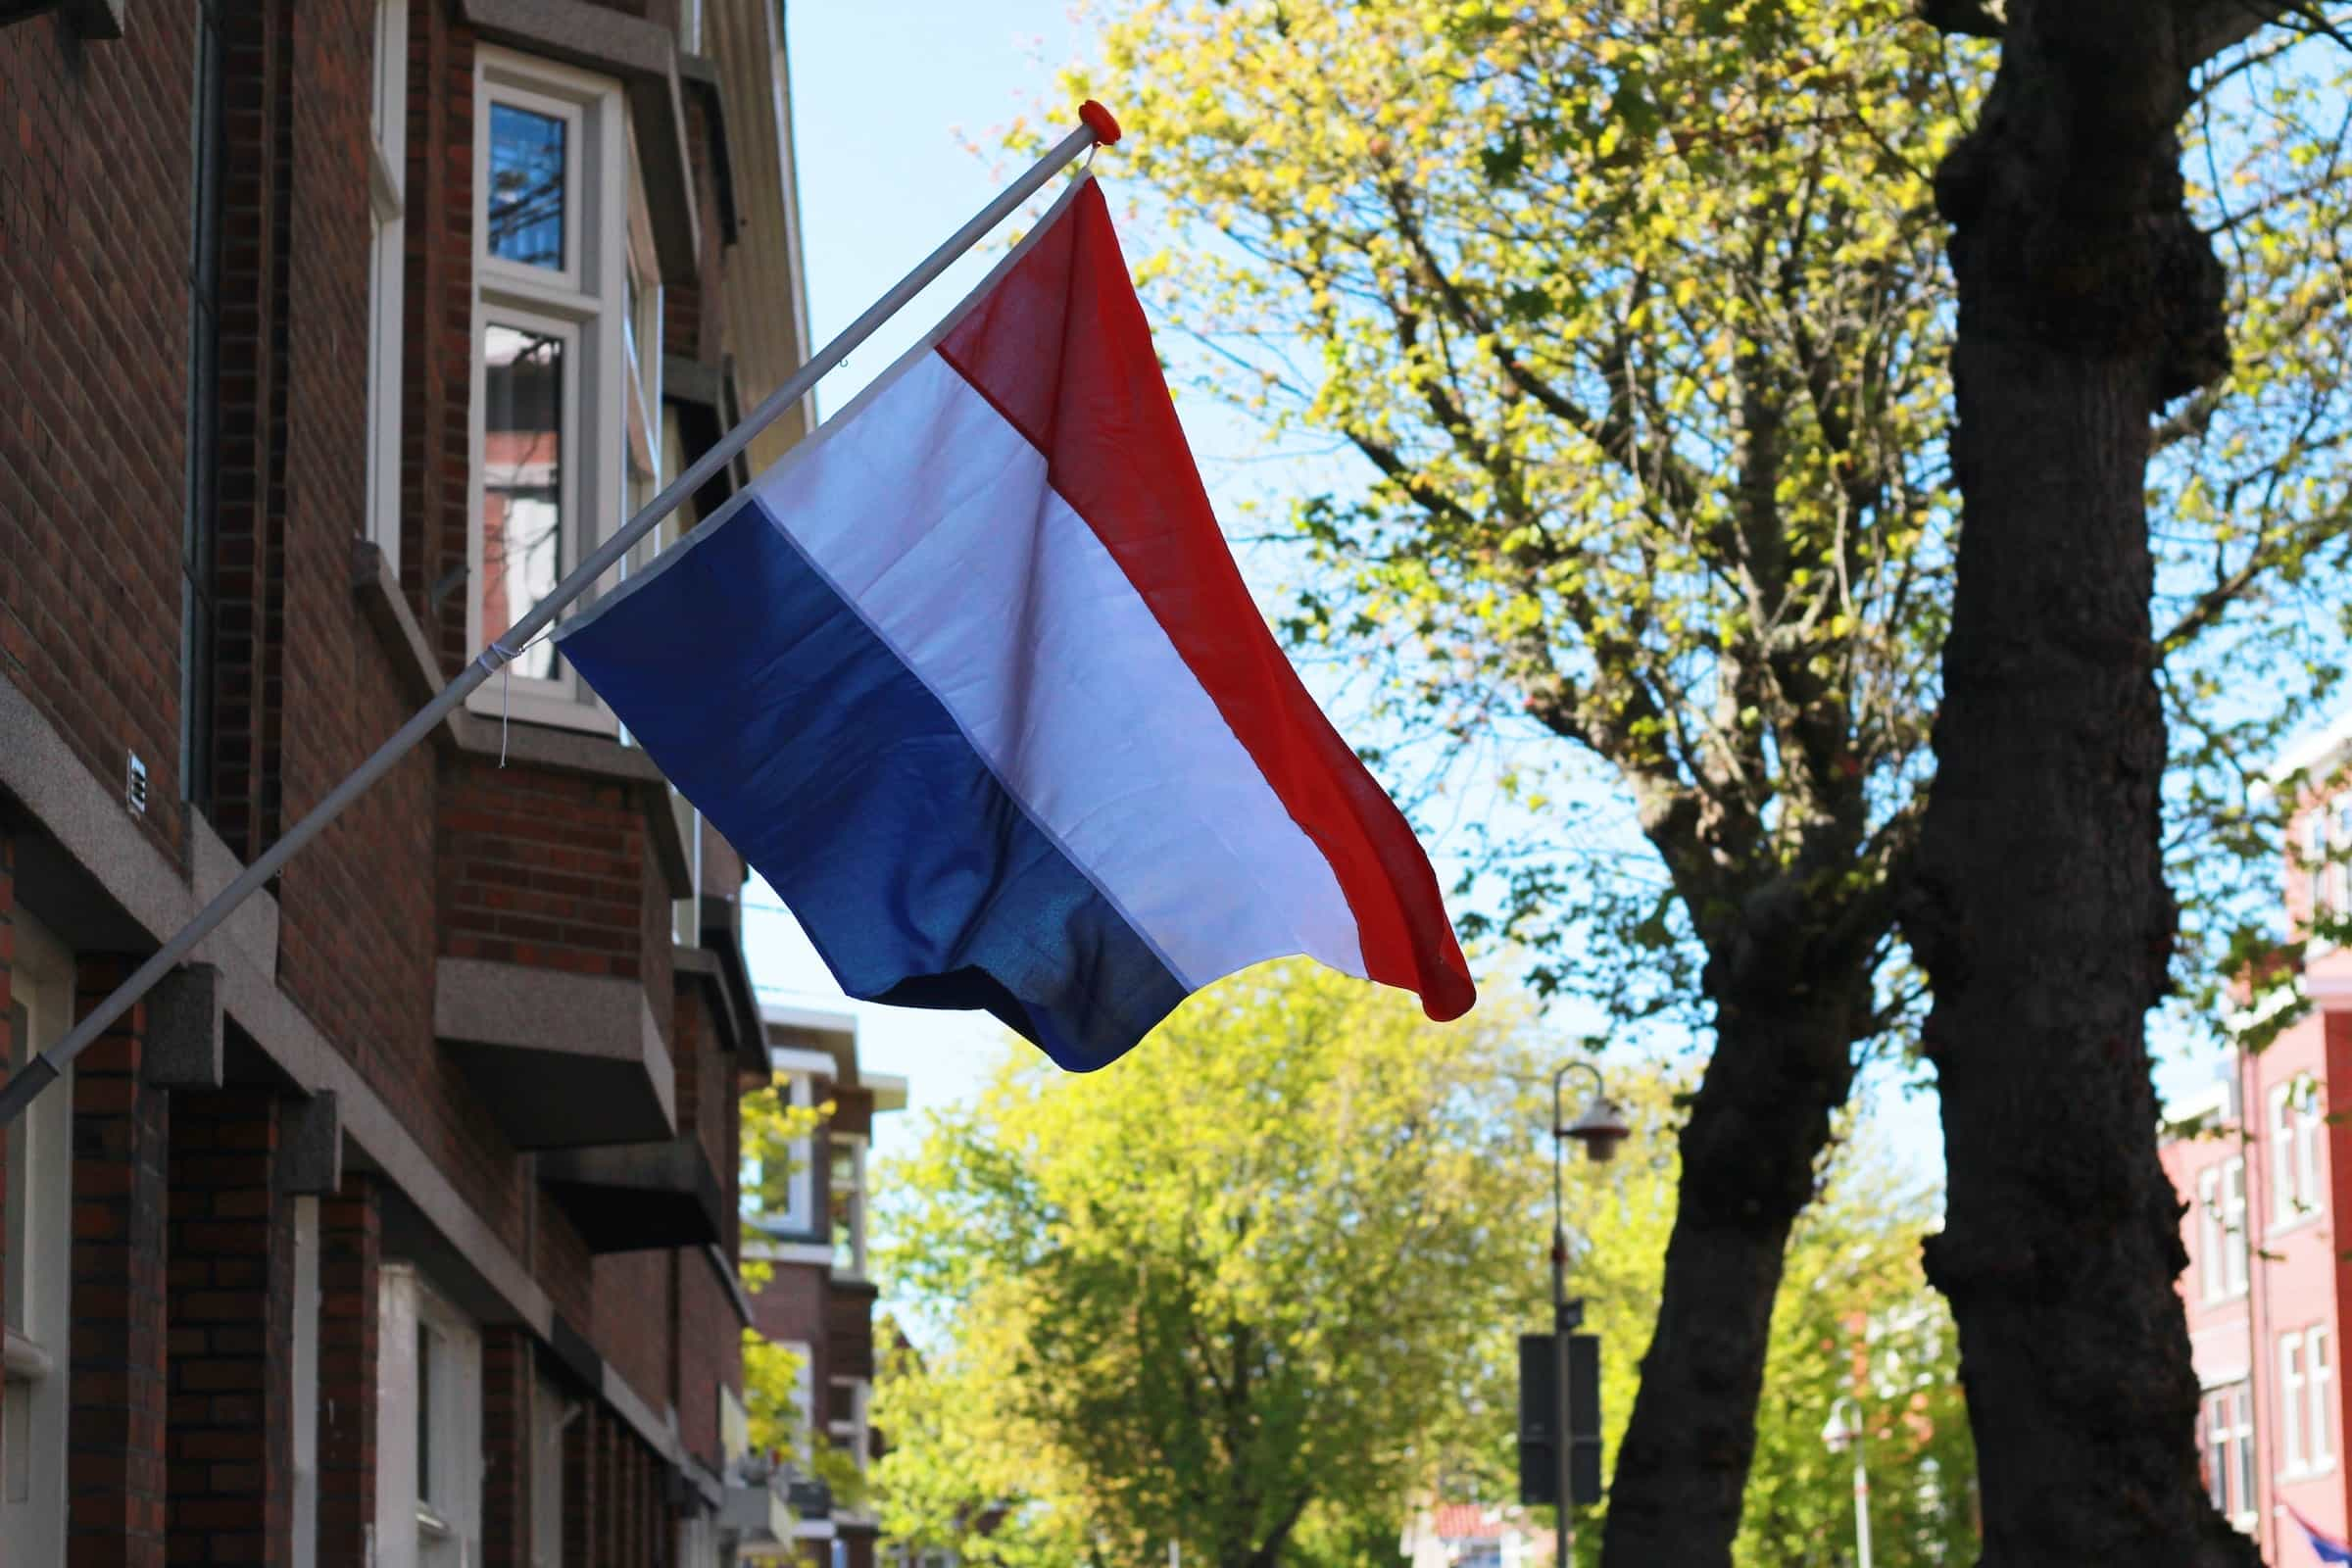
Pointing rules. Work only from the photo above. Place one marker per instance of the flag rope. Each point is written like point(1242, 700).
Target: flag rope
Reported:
point(1096, 127)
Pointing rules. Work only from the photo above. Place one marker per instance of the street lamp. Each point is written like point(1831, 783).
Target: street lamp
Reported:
point(1845, 1431)
point(1601, 1127)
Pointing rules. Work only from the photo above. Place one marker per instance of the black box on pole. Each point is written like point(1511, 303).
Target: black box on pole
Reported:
point(1538, 1360)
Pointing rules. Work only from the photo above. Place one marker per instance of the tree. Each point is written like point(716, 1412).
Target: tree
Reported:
point(989, 1456)
point(2090, 303)
point(1237, 1292)
point(1631, 310)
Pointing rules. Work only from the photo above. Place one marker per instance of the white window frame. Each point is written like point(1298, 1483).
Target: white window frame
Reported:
point(2304, 1098)
point(586, 295)
point(2234, 1225)
point(2212, 1283)
point(2319, 1381)
point(856, 1434)
point(2242, 1439)
point(34, 1351)
point(800, 1208)
point(2293, 1458)
point(853, 1265)
point(389, 208)
point(426, 1520)
point(2284, 1210)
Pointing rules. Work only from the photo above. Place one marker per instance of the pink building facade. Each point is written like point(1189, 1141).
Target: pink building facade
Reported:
point(2265, 1175)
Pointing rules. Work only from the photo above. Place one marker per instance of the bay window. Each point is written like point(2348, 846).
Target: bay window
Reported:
point(550, 359)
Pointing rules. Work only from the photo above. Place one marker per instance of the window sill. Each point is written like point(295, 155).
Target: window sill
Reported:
point(2300, 1222)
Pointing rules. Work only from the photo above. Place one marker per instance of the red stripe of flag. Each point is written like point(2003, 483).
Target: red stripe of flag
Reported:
point(1102, 415)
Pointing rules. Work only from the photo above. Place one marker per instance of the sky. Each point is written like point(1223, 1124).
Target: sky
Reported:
point(886, 96)
point(889, 98)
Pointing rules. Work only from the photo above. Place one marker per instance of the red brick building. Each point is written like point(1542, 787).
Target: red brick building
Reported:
point(400, 1228)
point(2265, 1169)
point(818, 1298)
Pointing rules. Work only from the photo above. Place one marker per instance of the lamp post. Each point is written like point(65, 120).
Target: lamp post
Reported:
point(1599, 1128)
point(1845, 1431)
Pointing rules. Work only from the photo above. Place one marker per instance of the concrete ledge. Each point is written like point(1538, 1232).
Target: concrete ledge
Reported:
point(310, 1149)
point(630, 1198)
point(186, 1046)
point(644, 55)
point(387, 610)
point(564, 1060)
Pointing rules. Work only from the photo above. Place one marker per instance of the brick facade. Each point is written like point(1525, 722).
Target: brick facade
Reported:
point(116, 1428)
point(561, 859)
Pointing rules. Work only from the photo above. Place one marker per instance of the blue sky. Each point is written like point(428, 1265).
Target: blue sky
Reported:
point(888, 98)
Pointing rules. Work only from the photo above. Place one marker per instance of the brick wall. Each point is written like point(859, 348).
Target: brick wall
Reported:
point(231, 1241)
point(633, 1321)
point(93, 380)
point(350, 1250)
point(506, 1448)
point(115, 1427)
point(549, 869)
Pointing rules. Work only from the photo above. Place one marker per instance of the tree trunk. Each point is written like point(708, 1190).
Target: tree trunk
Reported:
point(1782, 1064)
point(2039, 909)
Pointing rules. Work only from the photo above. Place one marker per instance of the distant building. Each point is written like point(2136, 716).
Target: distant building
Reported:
point(819, 1301)
point(2261, 1166)
point(1473, 1535)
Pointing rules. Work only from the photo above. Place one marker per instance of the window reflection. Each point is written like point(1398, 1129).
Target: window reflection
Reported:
point(525, 212)
point(522, 507)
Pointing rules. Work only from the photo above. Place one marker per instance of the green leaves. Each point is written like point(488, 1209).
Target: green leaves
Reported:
point(1235, 1291)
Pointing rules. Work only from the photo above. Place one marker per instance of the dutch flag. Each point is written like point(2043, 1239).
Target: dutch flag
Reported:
point(971, 679)
point(2324, 1548)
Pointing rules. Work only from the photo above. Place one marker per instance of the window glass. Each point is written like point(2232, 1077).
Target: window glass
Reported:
point(525, 212)
point(2241, 1437)
point(522, 481)
point(424, 1414)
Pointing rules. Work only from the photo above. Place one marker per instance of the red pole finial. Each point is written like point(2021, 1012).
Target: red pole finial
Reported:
point(1099, 121)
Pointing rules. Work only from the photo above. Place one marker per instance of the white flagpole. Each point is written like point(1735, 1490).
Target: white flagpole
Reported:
point(1097, 127)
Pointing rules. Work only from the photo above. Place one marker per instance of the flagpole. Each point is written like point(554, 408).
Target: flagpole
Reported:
point(1097, 127)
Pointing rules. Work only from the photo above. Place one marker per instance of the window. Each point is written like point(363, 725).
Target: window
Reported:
point(2294, 1135)
point(388, 206)
point(552, 340)
point(39, 1239)
point(2319, 1376)
point(798, 1216)
point(849, 1418)
point(2293, 1458)
point(849, 1205)
point(428, 1428)
point(2211, 1272)
point(2229, 1450)
point(305, 1382)
point(199, 616)
point(2234, 1226)
point(2318, 875)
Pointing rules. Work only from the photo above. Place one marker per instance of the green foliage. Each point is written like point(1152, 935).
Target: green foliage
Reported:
point(1634, 313)
point(1239, 1289)
point(1856, 1316)
point(1302, 1183)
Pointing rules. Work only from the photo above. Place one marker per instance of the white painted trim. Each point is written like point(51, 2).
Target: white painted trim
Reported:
point(35, 1401)
point(820, 1253)
point(788, 1058)
point(588, 292)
